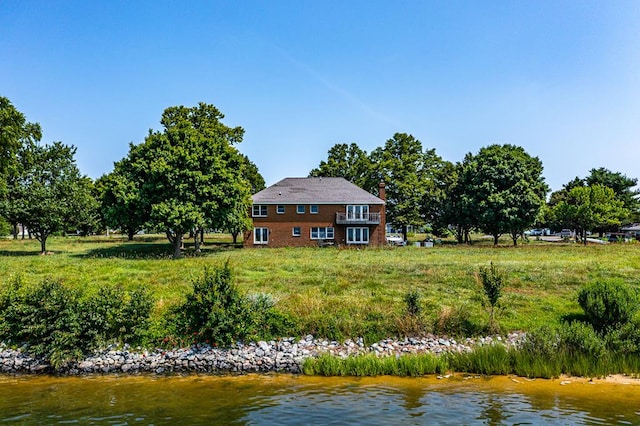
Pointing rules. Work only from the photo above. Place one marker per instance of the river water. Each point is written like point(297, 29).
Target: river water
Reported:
point(301, 400)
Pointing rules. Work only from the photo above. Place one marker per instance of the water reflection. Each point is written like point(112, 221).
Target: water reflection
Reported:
point(284, 399)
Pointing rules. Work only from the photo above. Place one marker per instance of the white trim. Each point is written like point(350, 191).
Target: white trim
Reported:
point(328, 231)
point(261, 232)
point(356, 235)
point(260, 208)
point(284, 209)
point(311, 209)
point(293, 231)
point(304, 209)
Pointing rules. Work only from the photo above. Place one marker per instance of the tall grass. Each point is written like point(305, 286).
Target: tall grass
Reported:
point(485, 360)
point(339, 293)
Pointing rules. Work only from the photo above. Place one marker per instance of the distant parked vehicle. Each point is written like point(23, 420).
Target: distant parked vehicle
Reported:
point(536, 232)
point(566, 233)
point(395, 240)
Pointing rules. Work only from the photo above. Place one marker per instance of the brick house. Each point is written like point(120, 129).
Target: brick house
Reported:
point(316, 211)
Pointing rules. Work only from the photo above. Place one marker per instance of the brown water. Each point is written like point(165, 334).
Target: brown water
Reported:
point(286, 399)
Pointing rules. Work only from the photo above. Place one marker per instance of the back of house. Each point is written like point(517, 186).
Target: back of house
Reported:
point(316, 211)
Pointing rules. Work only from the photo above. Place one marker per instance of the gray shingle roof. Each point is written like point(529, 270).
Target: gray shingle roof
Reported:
point(315, 190)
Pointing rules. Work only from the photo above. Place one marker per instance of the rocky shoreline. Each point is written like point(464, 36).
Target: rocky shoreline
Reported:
point(285, 355)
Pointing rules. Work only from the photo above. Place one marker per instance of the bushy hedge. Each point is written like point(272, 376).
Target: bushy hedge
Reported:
point(216, 313)
point(608, 304)
point(62, 324)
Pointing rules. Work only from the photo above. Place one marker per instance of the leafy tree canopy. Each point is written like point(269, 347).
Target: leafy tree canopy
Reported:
point(350, 162)
point(189, 175)
point(505, 189)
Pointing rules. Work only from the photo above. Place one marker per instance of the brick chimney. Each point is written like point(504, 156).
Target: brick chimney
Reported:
point(381, 191)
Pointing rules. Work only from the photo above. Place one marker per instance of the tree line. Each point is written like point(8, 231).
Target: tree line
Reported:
point(500, 190)
point(190, 177)
point(187, 177)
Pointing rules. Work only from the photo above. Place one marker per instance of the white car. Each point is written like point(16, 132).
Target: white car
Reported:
point(395, 240)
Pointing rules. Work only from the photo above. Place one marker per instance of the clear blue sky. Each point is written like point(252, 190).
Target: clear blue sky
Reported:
point(559, 78)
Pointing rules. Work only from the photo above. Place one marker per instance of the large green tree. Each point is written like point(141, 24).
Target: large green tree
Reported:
point(590, 207)
point(54, 195)
point(504, 188)
point(190, 175)
point(15, 134)
point(411, 177)
point(350, 162)
point(121, 204)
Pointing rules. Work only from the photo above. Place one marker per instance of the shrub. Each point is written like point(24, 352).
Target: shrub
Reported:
point(493, 280)
point(216, 312)
point(578, 338)
point(456, 321)
point(58, 324)
point(608, 304)
point(412, 302)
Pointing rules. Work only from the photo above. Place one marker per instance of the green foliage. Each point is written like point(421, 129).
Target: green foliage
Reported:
point(412, 302)
point(371, 365)
point(608, 304)
point(590, 207)
point(190, 176)
point(349, 162)
point(216, 312)
point(502, 190)
point(487, 359)
point(61, 324)
point(493, 281)
point(456, 321)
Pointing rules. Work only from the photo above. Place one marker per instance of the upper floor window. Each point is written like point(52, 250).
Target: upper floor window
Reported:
point(259, 210)
point(357, 212)
point(280, 209)
point(300, 209)
point(313, 209)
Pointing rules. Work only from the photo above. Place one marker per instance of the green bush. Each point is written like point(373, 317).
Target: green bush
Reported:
point(578, 338)
point(215, 312)
point(412, 302)
point(608, 304)
point(493, 280)
point(61, 324)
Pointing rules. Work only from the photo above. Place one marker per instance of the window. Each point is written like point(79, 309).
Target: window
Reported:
point(357, 212)
point(280, 209)
point(300, 209)
point(259, 210)
point(261, 236)
point(296, 231)
point(313, 209)
point(322, 233)
point(357, 235)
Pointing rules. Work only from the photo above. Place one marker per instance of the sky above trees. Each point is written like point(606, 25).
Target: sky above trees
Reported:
point(559, 79)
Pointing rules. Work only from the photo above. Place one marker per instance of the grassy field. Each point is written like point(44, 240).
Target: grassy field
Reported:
point(341, 293)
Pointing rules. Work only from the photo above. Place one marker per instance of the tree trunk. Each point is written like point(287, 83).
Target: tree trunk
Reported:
point(404, 233)
point(495, 239)
point(177, 245)
point(15, 231)
point(196, 240)
point(235, 237)
point(43, 244)
point(202, 236)
point(130, 234)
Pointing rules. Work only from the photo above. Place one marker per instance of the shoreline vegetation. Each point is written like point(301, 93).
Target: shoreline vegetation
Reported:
point(577, 306)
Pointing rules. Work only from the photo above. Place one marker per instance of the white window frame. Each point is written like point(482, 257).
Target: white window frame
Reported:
point(300, 209)
point(357, 211)
point(261, 210)
point(298, 233)
point(259, 235)
point(280, 209)
point(322, 233)
point(358, 235)
point(313, 207)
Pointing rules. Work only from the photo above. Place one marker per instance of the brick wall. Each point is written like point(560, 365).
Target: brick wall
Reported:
point(281, 226)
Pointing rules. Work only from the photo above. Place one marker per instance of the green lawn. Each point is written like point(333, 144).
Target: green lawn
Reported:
point(344, 292)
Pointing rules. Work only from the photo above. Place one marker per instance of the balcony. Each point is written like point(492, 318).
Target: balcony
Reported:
point(358, 219)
